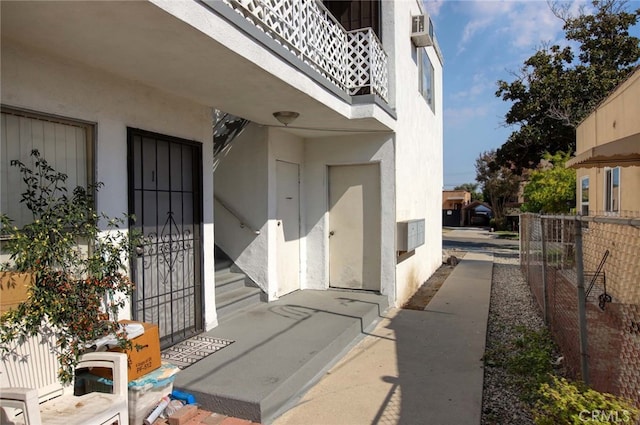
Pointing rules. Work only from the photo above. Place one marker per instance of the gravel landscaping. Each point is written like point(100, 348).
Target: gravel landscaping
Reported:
point(512, 309)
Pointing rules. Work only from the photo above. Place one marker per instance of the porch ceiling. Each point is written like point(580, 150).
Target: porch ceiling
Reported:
point(138, 40)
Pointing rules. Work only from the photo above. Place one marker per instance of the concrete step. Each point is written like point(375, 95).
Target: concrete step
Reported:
point(223, 263)
point(280, 350)
point(227, 281)
point(236, 300)
point(235, 291)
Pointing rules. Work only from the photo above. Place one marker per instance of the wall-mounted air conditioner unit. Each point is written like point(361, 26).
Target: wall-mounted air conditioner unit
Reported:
point(422, 30)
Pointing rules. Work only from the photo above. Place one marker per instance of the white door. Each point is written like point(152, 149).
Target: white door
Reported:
point(288, 227)
point(354, 226)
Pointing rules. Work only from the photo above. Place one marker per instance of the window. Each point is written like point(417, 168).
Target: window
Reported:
point(612, 190)
point(427, 79)
point(584, 195)
point(66, 145)
point(356, 14)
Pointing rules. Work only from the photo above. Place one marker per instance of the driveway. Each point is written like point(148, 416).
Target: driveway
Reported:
point(476, 239)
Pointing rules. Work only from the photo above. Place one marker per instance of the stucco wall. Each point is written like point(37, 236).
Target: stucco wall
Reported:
point(46, 84)
point(614, 119)
point(419, 155)
point(245, 180)
point(241, 183)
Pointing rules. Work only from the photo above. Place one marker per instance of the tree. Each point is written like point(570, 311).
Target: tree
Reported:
point(552, 187)
point(471, 188)
point(76, 293)
point(554, 91)
point(499, 183)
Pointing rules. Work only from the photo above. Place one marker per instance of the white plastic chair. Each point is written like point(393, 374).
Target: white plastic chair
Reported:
point(31, 394)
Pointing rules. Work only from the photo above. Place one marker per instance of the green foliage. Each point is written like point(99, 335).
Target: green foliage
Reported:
point(471, 188)
point(527, 359)
point(507, 234)
point(554, 90)
point(76, 293)
point(498, 223)
point(499, 183)
point(551, 188)
point(563, 402)
point(530, 361)
point(553, 400)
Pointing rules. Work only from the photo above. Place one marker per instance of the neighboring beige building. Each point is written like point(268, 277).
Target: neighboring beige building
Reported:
point(607, 157)
point(455, 199)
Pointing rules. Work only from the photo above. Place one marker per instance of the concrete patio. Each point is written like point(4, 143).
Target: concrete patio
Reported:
point(280, 350)
point(342, 357)
point(415, 367)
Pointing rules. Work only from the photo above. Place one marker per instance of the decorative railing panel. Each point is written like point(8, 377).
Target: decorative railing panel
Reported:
point(367, 65)
point(354, 60)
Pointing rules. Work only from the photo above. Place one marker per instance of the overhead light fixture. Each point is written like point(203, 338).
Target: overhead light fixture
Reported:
point(286, 117)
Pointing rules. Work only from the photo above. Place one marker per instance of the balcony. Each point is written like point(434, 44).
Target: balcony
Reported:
point(205, 51)
point(352, 60)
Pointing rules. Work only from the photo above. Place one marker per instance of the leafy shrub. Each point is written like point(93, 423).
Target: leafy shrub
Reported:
point(530, 361)
point(533, 355)
point(76, 292)
point(498, 223)
point(562, 402)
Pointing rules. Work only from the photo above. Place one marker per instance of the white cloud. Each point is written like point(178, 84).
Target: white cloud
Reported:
point(471, 29)
point(532, 23)
point(516, 24)
point(480, 85)
point(460, 116)
point(433, 6)
point(483, 16)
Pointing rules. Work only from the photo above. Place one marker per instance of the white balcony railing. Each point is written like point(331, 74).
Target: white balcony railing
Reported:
point(353, 60)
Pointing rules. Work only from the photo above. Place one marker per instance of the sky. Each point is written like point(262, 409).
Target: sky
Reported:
point(484, 41)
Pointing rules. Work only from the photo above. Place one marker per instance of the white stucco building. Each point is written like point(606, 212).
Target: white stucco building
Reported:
point(127, 94)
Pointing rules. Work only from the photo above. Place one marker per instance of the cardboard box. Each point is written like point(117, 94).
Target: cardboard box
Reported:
point(14, 289)
point(143, 356)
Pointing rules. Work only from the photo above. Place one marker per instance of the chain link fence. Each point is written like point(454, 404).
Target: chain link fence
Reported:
point(584, 273)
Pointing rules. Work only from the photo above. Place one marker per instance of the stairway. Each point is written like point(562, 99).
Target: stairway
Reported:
point(235, 291)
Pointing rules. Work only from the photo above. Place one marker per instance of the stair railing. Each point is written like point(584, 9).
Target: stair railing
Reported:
point(237, 216)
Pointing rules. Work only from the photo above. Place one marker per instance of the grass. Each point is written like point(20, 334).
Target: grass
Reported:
point(506, 234)
point(527, 359)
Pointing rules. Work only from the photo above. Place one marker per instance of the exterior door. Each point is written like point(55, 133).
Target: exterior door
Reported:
point(165, 198)
point(354, 226)
point(288, 226)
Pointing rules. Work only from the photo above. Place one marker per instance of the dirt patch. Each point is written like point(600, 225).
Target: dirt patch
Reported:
point(426, 292)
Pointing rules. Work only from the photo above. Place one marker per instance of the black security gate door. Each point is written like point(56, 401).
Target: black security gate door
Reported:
point(165, 198)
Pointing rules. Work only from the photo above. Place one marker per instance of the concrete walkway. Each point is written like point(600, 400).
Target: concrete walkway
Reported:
point(416, 367)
